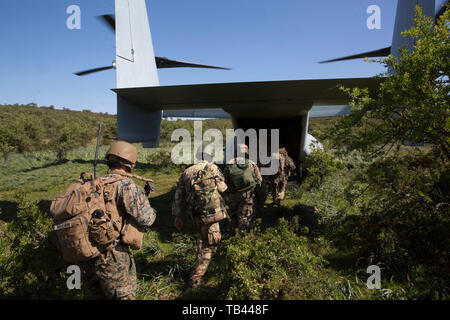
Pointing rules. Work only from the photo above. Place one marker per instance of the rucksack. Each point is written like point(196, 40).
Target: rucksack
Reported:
point(207, 203)
point(242, 177)
point(86, 220)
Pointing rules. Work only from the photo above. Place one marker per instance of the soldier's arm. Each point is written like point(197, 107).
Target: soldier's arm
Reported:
point(180, 194)
point(220, 179)
point(136, 204)
point(257, 172)
point(177, 204)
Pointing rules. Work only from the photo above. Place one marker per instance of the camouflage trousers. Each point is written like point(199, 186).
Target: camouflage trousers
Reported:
point(260, 199)
point(209, 237)
point(241, 208)
point(112, 275)
point(278, 188)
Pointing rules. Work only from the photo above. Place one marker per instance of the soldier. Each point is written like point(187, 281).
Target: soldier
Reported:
point(112, 275)
point(242, 176)
point(277, 183)
point(199, 188)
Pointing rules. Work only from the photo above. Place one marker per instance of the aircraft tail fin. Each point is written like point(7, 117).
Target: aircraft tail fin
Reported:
point(404, 20)
point(135, 67)
point(135, 58)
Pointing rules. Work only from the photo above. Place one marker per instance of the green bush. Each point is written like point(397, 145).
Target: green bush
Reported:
point(320, 164)
point(403, 221)
point(72, 135)
point(30, 266)
point(274, 264)
point(402, 198)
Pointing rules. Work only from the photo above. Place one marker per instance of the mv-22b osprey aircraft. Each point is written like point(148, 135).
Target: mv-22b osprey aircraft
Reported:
point(283, 105)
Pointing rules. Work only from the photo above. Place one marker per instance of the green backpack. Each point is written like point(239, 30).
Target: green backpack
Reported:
point(242, 177)
point(206, 199)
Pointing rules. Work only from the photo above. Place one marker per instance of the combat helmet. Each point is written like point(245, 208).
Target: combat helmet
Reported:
point(121, 153)
point(205, 151)
point(242, 148)
point(236, 148)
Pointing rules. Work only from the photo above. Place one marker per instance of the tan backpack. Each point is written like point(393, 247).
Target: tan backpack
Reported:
point(86, 218)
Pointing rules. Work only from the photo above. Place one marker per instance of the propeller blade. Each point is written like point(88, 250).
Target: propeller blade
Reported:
point(167, 63)
point(376, 53)
point(85, 72)
point(109, 20)
point(385, 51)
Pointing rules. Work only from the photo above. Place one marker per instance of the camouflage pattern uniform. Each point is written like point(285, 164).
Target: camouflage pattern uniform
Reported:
point(277, 183)
point(260, 198)
point(112, 275)
point(208, 235)
point(242, 204)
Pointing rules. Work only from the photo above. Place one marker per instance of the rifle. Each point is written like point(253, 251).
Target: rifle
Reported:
point(149, 184)
point(96, 149)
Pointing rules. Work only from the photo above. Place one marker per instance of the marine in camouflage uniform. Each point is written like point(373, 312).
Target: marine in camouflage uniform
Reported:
point(242, 204)
point(277, 183)
point(112, 275)
point(208, 235)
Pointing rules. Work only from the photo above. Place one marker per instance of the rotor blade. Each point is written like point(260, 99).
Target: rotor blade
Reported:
point(376, 53)
point(441, 11)
point(85, 72)
point(109, 20)
point(167, 63)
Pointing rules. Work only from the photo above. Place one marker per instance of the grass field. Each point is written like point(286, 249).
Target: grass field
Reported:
point(167, 257)
point(289, 255)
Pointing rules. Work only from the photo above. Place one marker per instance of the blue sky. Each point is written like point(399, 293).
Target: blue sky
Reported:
point(261, 40)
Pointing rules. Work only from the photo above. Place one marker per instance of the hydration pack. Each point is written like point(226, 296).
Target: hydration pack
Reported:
point(242, 177)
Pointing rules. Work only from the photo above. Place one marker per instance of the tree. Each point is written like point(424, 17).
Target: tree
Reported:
point(412, 102)
point(72, 135)
point(403, 219)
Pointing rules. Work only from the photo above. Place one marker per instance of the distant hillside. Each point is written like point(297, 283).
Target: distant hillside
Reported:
point(31, 128)
point(26, 128)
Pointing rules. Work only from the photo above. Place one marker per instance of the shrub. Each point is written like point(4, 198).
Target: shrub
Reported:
point(31, 267)
point(320, 164)
point(73, 135)
point(275, 264)
point(403, 220)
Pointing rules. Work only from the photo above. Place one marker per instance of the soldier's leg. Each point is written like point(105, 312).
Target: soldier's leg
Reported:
point(234, 203)
point(282, 189)
point(91, 283)
point(273, 190)
point(116, 272)
point(260, 199)
point(209, 239)
point(246, 211)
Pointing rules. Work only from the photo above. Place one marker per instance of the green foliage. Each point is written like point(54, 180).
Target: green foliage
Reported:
point(21, 134)
point(274, 264)
point(74, 134)
point(404, 219)
point(161, 158)
point(320, 164)
point(412, 103)
point(30, 266)
point(401, 201)
point(27, 128)
point(6, 143)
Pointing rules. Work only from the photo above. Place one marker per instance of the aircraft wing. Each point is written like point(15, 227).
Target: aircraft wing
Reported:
point(258, 99)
